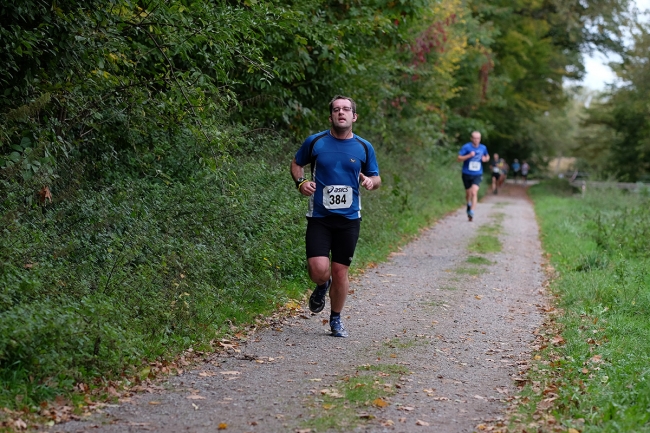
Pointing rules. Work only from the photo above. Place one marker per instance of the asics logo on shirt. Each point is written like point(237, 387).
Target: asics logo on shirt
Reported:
point(332, 189)
point(353, 160)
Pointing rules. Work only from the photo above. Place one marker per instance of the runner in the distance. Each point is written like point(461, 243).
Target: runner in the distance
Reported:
point(472, 155)
point(496, 172)
point(524, 171)
point(341, 162)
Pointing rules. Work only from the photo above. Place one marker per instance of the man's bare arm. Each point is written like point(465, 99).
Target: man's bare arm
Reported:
point(297, 171)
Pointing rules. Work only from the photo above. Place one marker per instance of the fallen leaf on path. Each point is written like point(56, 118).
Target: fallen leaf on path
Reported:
point(315, 380)
point(196, 407)
point(387, 423)
point(303, 430)
point(154, 402)
point(422, 423)
point(292, 305)
point(365, 415)
point(207, 374)
point(380, 402)
point(230, 372)
point(479, 297)
point(195, 397)
point(222, 426)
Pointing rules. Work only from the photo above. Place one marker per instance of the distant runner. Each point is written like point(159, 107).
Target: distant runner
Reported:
point(341, 162)
point(472, 155)
point(524, 171)
point(496, 173)
point(516, 167)
point(503, 167)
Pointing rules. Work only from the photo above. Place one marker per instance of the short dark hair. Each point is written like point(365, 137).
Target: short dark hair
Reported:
point(352, 103)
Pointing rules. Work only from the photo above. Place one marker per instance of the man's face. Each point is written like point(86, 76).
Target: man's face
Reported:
point(476, 139)
point(342, 116)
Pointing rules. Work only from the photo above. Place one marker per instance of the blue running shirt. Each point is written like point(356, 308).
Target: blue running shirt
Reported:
point(336, 165)
point(474, 165)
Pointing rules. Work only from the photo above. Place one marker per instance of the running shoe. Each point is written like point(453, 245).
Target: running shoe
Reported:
point(469, 207)
point(317, 298)
point(470, 215)
point(338, 330)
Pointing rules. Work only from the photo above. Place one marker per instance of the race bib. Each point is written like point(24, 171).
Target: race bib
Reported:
point(337, 197)
point(474, 166)
point(495, 169)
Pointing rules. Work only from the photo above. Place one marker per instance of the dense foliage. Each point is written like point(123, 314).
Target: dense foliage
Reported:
point(145, 201)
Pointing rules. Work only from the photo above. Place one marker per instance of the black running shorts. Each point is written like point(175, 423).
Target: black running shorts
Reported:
point(469, 180)
point(335, 234)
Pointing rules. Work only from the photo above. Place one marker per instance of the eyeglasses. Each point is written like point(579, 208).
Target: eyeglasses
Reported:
point(337, 109)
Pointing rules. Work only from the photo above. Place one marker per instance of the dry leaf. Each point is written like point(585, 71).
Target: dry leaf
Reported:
point(292, 305)
point(420, 422)
point(230, 372)
point(479, 297)
point(154, 402)
point(222, 426)
point(557, 340)
point(387, 423)
point(380, 402)
point(207, 374)
point(195, 397)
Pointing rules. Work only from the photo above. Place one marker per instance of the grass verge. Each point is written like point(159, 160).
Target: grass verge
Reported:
point(592, 374)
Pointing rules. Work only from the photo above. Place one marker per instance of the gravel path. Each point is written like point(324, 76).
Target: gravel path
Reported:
point(441, 340)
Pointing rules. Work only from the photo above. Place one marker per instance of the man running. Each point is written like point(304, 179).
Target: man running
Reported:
point(341, 162)
point(524, 171)
point(472, 155)
point(515, 169)
point(496, 172)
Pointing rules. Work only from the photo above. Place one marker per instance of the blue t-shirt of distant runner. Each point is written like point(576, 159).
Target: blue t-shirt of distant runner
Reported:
point(473, 166)
point(336, 173)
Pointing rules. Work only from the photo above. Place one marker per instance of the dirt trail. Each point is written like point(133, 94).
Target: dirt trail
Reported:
point(443, 338)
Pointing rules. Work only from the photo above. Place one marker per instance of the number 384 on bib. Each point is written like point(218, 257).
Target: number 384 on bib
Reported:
point(337, 197)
